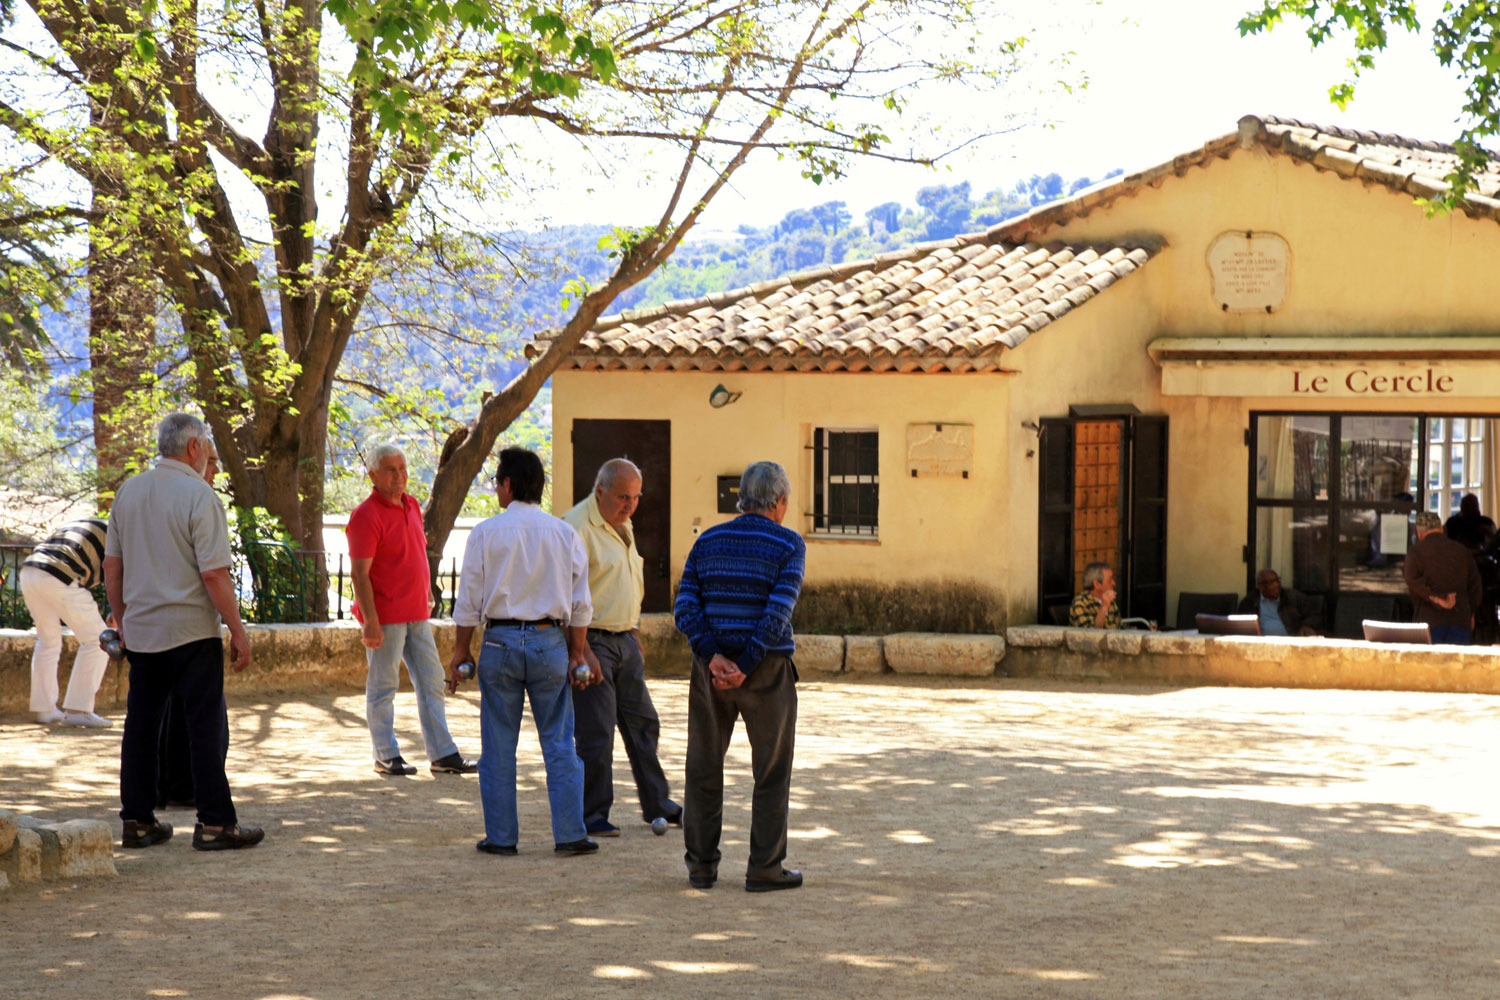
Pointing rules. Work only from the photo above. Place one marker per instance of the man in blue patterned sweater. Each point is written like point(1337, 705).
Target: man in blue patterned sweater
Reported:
point(734, 605)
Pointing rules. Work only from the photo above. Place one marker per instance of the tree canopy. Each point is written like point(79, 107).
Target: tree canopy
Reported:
point(1465, 35)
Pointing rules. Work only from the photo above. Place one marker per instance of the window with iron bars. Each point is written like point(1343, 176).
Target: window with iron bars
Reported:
point(846, 481)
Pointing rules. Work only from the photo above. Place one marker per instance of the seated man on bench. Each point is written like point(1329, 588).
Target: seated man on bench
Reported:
point(1281, 611)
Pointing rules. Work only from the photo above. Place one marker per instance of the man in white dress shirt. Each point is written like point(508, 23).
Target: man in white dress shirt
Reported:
point(526, 581)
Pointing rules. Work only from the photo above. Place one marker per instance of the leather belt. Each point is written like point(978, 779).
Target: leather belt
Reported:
point(521, 623)
point(609, 631)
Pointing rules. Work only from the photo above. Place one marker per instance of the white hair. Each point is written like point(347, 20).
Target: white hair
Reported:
point(379, 453)
point(178, 430)
point(611, 470)
point(761, 487)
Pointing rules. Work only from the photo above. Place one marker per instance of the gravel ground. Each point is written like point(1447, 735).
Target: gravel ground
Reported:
point(959, 839)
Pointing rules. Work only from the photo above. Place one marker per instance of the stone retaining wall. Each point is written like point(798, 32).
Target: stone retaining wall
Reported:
point(32, 850)
point(1249, 661)
point(305, 658)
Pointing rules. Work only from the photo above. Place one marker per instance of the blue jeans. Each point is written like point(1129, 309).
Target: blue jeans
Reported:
point(412, 642)
point(515, 663)
point(1452, 635)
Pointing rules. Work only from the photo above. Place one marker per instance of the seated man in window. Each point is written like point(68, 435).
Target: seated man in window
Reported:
point(1095, 606)
point(1281, 611)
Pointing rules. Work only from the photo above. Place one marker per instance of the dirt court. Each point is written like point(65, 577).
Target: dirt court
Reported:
point(959, 839)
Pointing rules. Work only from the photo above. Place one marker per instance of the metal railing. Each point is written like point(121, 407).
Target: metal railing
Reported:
point(340, 593)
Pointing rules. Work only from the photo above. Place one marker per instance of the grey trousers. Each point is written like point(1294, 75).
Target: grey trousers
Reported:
point(768, 702)
point(622, 701)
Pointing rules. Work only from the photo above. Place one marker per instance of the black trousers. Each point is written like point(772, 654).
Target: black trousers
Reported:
point(768, 702)
point(195, 672)
point(174, 781)
point(622, 701)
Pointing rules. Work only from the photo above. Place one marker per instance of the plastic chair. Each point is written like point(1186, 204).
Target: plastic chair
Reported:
point(1410, 632)
point(1228, 624)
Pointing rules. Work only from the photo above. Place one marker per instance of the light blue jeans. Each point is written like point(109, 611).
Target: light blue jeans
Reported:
point(412, 642)
point(516, 662)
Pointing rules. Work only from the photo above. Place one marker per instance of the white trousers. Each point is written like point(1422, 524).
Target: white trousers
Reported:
point(52, 604)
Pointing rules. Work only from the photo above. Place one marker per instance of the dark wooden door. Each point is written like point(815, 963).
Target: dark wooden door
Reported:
point(1146, 561)
point(1103, 498)
point(647, 443)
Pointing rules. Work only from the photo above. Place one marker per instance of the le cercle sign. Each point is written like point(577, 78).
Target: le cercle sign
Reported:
point(1356, 379)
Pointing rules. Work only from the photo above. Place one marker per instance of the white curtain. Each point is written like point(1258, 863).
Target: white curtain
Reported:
point(1275, 478)
point(1489, 467)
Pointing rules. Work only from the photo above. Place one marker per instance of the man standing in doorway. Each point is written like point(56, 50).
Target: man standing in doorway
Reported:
point(616, 587)
point(166, 570)
point(734, 605)
point(1096, 605)
point(526, 581)
point(392, 600)
point(1444, 582)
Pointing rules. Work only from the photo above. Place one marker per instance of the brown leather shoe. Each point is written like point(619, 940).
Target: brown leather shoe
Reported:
point(789, 878)
point(138, 834)
point(231, 838)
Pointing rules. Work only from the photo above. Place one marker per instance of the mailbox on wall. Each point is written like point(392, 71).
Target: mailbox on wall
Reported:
point(729, 494)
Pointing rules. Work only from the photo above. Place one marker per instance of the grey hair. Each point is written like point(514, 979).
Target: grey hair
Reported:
point(1093, 573)
point(761, 487)
point(176, 431)
point(379, 453)
point(611, 470)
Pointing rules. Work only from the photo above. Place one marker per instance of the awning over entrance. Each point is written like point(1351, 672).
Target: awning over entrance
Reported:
point(1315, 368)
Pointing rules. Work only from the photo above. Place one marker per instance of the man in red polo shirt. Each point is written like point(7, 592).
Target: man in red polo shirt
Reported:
point(392, 599)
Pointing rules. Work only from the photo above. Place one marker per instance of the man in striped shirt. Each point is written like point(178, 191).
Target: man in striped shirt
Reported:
point(55, 581)
point(734, 605)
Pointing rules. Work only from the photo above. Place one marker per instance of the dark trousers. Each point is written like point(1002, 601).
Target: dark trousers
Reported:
point(174, 781)
point(195, 672)
point(622, 701)
point(768, 702)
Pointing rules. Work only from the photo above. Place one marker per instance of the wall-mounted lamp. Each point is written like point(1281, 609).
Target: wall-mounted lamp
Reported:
point(1035, 428)
point(721, 397)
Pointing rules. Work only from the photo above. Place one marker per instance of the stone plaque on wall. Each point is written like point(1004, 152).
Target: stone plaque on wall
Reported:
point(939, 450)
point(1250, 271)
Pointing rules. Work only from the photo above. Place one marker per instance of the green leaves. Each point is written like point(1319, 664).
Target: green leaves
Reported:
point(1464, 36)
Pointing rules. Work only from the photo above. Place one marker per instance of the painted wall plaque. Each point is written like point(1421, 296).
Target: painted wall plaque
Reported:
point(939, 450)
point(1250, 271)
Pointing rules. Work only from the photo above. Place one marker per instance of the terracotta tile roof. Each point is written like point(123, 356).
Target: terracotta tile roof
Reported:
point(1410, 166)
point(957, 305)
point(954, 305)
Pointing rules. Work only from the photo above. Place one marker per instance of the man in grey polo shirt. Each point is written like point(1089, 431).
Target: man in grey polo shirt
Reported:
point(166, 569)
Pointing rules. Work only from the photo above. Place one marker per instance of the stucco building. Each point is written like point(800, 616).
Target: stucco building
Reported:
point(1263, 353)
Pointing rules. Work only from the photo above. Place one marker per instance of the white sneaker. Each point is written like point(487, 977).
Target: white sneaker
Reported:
point(85, 720)
point(49, 717)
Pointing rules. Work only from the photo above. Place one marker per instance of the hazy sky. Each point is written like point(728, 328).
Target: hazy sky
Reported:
point(1172, 76)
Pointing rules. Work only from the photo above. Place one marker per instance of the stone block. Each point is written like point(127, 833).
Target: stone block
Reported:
point(46, 832)
point(1085, 641)
point(667, 652)
point(7, 829)
point(23, 862)
point(820, 653)
point(864, 654)
point(1174, 643)
point(1036, 636)
point(85, 848)
point(944, 654)
point(4, 881)
point(1124, 643)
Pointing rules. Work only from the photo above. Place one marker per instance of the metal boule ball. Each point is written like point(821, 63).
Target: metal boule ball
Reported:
point(581, 673)
point(465, 670)
point(659, 825)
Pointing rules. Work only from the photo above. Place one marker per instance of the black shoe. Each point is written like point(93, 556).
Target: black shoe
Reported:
point(395, 766)
point(788, 879)
point(604, 829)
point(675, 819)
point(584, 846)
point(454, 763)
point(484, 846)
point(138, 834)
point(704, 880)
point(231, 838)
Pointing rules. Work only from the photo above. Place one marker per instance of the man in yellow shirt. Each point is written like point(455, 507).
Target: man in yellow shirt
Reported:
point(617, 585)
